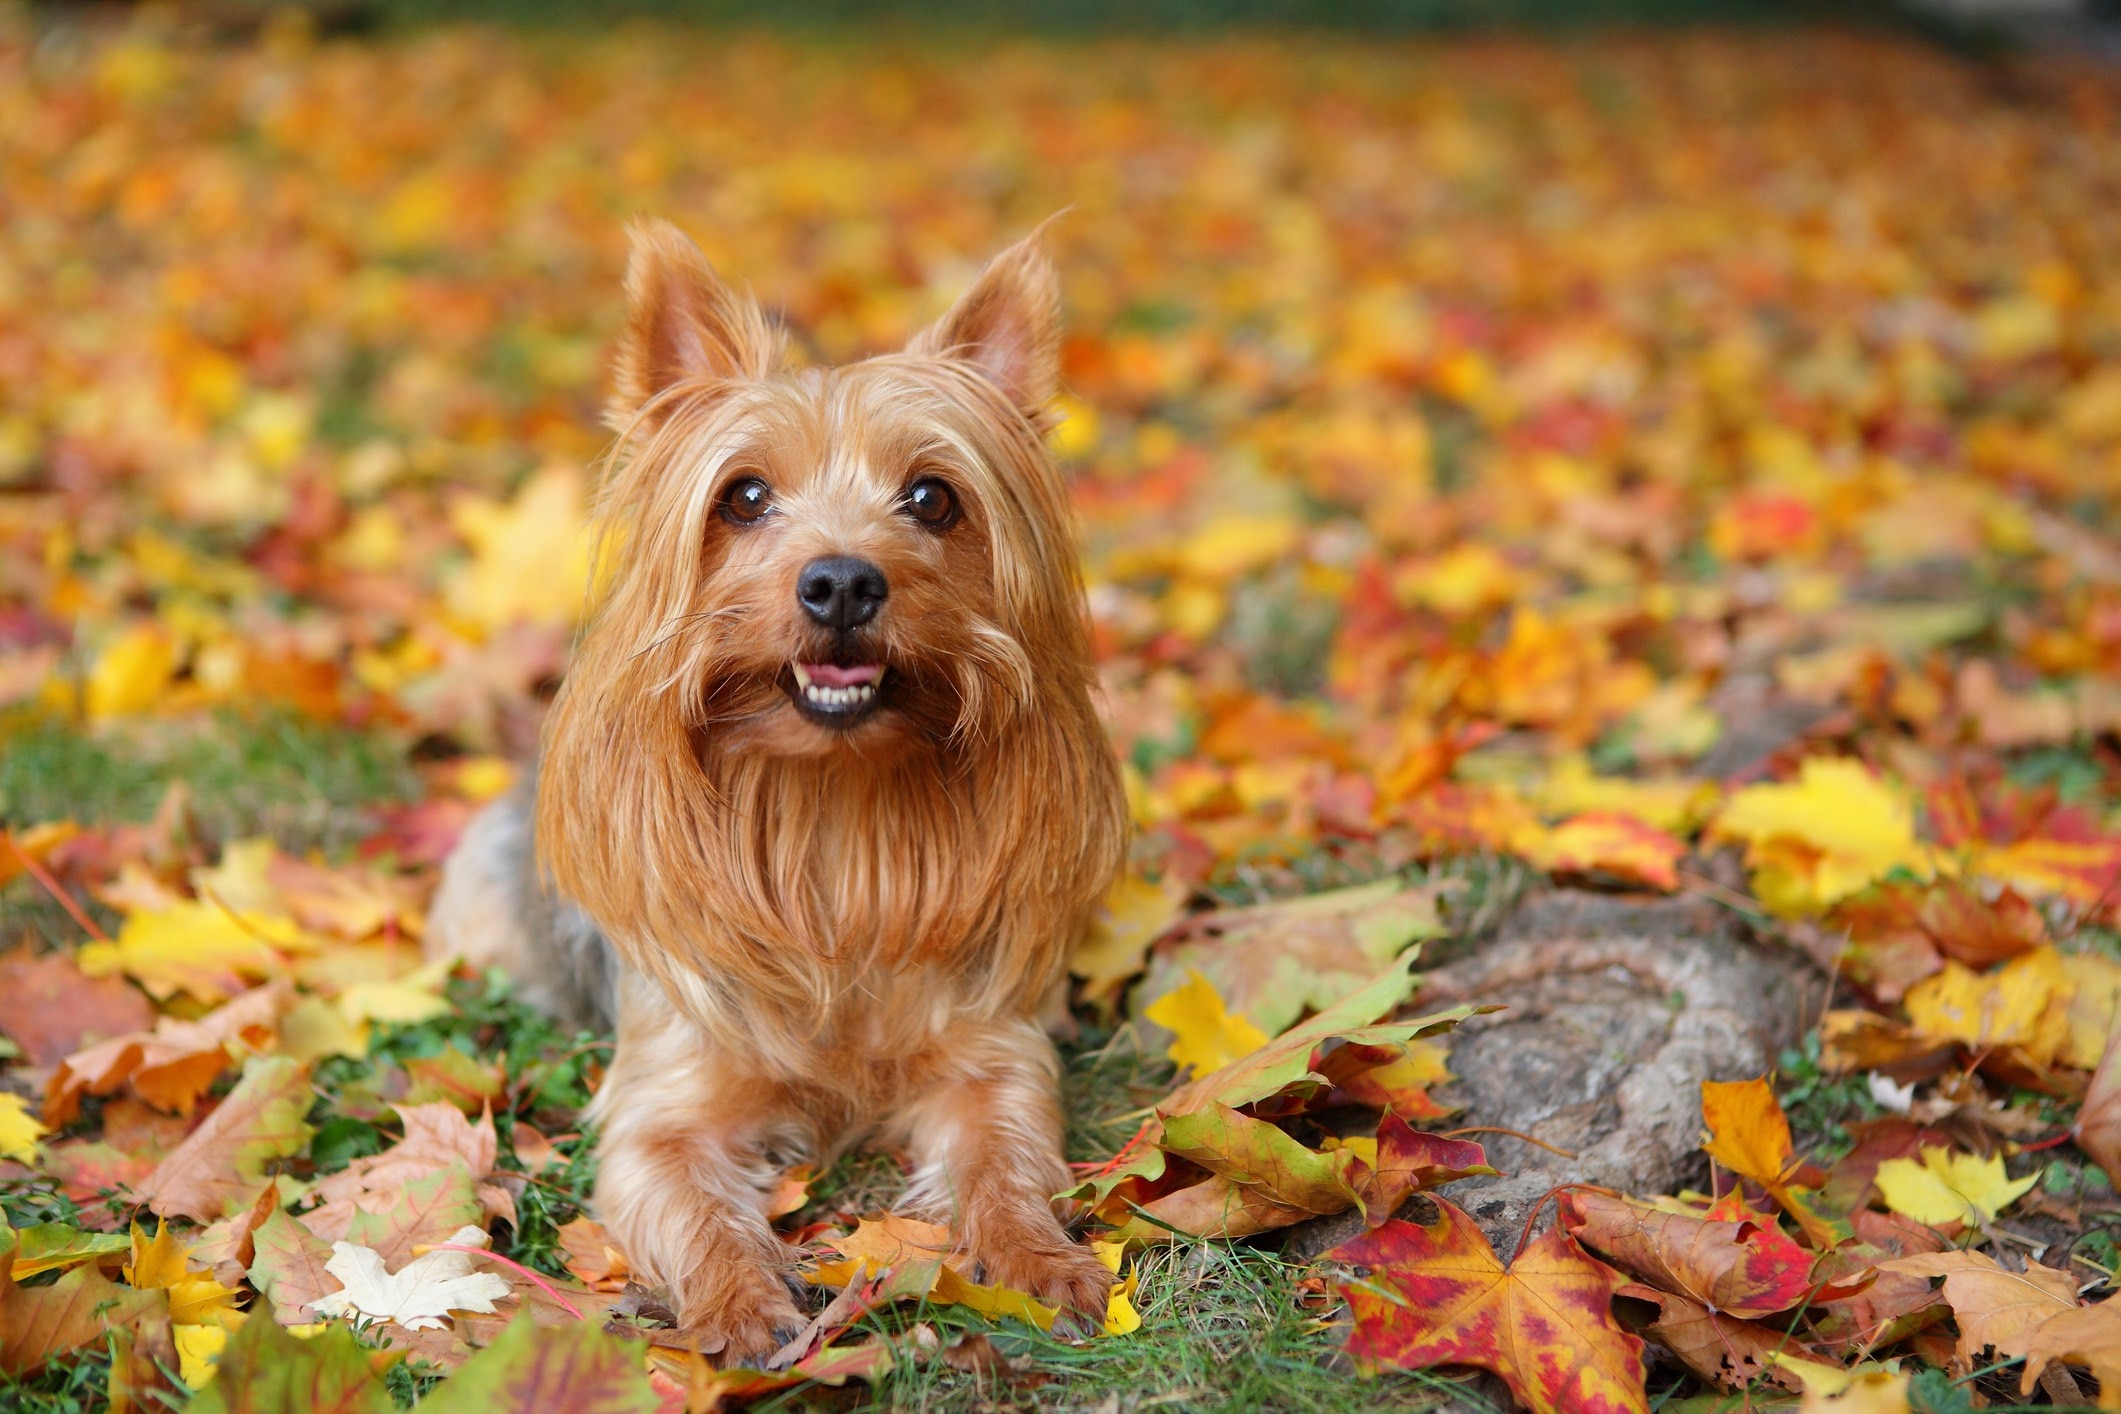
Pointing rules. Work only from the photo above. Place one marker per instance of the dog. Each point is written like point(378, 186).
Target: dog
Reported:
point(824, 800)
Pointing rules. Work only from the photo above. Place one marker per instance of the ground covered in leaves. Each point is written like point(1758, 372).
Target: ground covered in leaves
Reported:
point(1664, 464)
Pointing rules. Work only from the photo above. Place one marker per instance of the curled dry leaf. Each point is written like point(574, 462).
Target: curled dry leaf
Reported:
point(171, 1066)
point(1740, 1269)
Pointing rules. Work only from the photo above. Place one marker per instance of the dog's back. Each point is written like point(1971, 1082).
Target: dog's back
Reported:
point(495, 910)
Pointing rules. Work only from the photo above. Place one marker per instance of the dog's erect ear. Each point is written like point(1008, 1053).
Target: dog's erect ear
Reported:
point(682, 322)
point(1007, 325)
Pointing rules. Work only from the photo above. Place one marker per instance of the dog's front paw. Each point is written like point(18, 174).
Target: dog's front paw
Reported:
point(738, 1309)
point(1061, 1274)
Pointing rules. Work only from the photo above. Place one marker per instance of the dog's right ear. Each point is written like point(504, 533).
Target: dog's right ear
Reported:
point(683, 324)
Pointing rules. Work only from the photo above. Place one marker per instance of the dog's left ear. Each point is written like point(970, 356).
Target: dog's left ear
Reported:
point(1007, 326)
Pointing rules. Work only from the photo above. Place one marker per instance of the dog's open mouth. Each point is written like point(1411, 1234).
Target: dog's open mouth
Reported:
point(835, 692)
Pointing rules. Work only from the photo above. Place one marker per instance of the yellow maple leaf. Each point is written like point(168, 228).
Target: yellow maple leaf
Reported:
point(131, 674)
point(198, 1351)
point(1673, 803)
point(2094, 992)
point(404, 1001)
point(1120, 1316)
point(1949, 1188)
point(239, 881)
point(2023, 1004)
point(19, 1130)
point(530, 558)
point(314, 1028)
point(1831, 833)
point(1134, 911)
point(157, 1261)
point(1831, 1389)
point(1204, 1036)
point(195, 947)
point(1231, 545)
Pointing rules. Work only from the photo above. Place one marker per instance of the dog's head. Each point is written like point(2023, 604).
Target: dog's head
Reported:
point(810, 561)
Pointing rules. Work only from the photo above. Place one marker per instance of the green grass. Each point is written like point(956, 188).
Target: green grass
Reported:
point(275, 773)
point(1223, 1329)
point(305, 784)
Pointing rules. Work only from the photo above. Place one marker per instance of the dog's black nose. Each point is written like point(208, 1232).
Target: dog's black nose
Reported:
point(841, 591)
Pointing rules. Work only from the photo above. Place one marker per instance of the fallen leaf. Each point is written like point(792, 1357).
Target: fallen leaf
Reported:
point(1831, 833)
point(1995, 1308)
point(265, 1370)
point(1133, 913)
point(419, 1295)
point(1273, 962)
point(40, 1323)
point(1947, 1187)
point(1404, 1161)
point(2098, 1127)
point(1739, 1269)
point(50, 1247)
point(1204, 1036)
point(50, 1008)
point(289, 1268)
point(1604, 843)
point(1437, 1295)
point(1725, 1351)
point(1254, 1154)
point(1750, 1136)
point(19, 1130)
point(2089, 1336)
point(171, 1066)
point(220, 1166)
point(592, 1256)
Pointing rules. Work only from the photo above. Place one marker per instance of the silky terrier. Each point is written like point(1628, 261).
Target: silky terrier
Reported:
point(824, 801)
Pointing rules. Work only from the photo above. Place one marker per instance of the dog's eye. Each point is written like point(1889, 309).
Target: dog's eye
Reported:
point(747, 502)
point(931, 502)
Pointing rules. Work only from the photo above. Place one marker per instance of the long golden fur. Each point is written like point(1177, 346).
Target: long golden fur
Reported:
point(831, 932)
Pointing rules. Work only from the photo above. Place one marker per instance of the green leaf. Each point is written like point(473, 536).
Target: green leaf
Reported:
point(532, 1369)
point(1254, 1154)
point(51, 1246)
point(264, 1370)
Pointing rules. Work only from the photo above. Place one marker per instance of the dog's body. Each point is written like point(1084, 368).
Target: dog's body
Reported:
point(827, 775)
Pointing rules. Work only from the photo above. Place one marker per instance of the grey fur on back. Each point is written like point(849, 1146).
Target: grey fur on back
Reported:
point(496, 909)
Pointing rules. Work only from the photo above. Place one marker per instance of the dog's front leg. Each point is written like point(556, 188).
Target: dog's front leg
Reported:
point(986, 1142)
point(682, 1181)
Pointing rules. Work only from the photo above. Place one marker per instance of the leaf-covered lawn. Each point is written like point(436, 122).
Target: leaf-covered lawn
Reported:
point(1674, 463)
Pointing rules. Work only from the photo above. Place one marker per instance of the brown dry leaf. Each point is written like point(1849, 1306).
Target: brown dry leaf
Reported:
point(1723, 1350)
point(2090, 1336)
point(51, 1009)
point(1995, 1308)
point(288, 1267)
point(592, 1255)
point(436, 1136)
point(222, 1164)
point(38, 1323)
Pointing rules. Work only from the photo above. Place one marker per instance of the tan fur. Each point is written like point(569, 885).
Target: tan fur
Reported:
point(834, 933)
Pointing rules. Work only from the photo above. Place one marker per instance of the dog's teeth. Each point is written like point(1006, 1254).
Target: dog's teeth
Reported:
point(817, 694)
point(802, 678)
